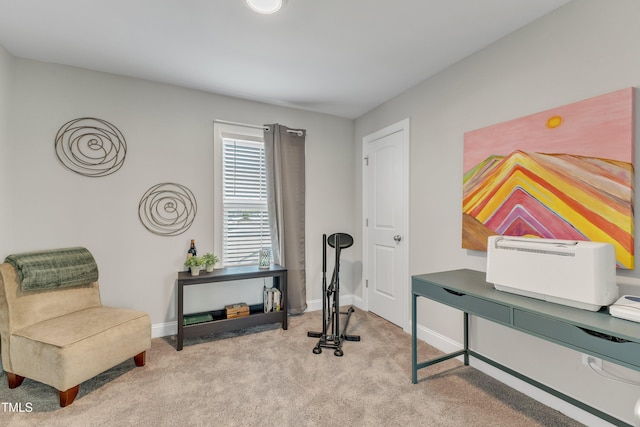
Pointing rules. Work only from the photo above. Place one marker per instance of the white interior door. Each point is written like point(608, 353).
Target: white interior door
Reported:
point(385, 205)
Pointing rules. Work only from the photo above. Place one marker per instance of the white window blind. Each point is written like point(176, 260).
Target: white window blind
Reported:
point(245, 214)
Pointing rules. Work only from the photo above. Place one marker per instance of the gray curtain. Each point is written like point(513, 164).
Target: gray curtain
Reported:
point(284, 151)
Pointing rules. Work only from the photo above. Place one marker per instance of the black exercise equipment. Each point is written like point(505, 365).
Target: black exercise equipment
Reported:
point(331, 335)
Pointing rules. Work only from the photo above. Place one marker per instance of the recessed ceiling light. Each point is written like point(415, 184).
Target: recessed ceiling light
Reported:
point(265, 6)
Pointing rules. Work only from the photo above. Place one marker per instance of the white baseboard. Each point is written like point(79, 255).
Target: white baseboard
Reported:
point(160, 330)
point(434, 339)
point(447, 345)
point(541, 396)
point(316, 304)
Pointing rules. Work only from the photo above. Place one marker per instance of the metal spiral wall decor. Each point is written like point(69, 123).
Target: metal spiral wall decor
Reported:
point(167, 209)
point(90, 147)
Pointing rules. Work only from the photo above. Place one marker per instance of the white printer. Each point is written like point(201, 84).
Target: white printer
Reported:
point(580, 274)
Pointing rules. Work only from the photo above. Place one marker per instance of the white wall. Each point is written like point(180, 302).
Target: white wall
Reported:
point(6, 230)
point(169, 134)
point(584, 49)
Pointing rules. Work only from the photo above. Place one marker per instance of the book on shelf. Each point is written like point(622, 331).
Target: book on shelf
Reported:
point(272, 299)
point(192, 319)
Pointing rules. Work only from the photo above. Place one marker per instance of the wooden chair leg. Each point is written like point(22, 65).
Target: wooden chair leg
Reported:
point(14, 380)
point(140, 358)
point(67, 396)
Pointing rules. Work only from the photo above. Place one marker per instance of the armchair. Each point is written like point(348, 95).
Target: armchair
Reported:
point(53, 326)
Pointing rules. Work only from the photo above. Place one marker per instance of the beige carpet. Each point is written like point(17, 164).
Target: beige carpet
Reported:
point(269, 377)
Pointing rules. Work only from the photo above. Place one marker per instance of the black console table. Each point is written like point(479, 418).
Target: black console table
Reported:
point(219, 324)
point(596, 333)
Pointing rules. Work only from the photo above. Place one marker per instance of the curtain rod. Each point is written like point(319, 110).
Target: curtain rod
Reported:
point(244, 125)
point(299, 132)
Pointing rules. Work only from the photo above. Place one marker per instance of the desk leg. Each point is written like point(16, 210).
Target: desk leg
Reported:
point(415, 366)
point(180, 310)
point(466, 338)
point(414, 340)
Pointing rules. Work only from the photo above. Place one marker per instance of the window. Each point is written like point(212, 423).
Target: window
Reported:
point(245, 219)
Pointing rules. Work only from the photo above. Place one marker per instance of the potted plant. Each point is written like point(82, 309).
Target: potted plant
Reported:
point(194, 263)
point(209, 260)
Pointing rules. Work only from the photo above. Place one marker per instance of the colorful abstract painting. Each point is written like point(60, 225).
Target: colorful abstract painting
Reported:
point(565, 173)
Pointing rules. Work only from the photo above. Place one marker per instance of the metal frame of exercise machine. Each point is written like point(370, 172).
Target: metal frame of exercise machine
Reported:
point(331, 335)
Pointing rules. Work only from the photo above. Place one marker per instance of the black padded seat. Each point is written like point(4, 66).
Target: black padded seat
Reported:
point(345, 240)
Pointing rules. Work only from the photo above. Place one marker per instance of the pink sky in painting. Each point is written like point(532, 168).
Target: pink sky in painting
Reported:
point(597, 127)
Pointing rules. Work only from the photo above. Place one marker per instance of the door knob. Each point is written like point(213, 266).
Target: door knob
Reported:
point(397, 238)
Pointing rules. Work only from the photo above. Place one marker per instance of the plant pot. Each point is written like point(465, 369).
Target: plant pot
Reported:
point(195, 271)
point(209, 268)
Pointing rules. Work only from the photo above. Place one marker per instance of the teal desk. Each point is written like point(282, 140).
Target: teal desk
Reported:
point(596, 333)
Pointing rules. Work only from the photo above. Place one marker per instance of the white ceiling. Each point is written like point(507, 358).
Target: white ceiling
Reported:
point(341, 57)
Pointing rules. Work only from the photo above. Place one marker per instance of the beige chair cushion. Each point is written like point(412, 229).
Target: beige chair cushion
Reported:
point(19, 309)
point(72, 348)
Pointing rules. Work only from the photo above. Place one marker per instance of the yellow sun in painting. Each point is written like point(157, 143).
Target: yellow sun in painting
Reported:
point(554, 121)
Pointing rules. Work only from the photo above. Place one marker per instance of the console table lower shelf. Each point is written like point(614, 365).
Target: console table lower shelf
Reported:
point(218, 323)
point(595, 333)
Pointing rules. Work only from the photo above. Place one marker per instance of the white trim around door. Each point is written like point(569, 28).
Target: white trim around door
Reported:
point(396, 282)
